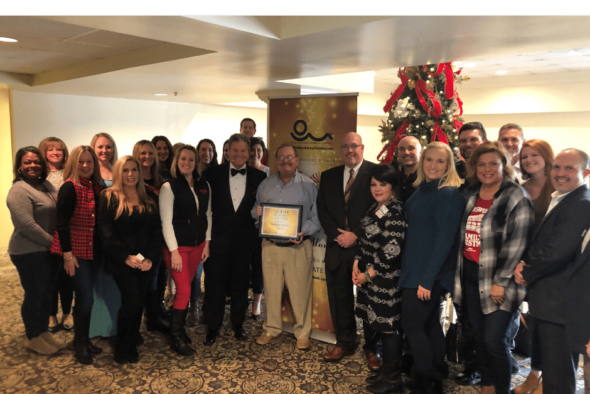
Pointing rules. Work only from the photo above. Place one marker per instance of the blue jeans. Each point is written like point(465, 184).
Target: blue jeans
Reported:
point(491, 334)
point(83, 282)
point(38, 274)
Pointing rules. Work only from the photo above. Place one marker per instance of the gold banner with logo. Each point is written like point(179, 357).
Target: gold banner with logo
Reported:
point(315, 125)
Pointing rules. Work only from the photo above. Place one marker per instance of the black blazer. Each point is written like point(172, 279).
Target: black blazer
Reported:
point(332, 211)
point(551, 254)
point(228, 222)
point(577, 325)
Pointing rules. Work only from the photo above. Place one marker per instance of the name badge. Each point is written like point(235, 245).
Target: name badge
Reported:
point(381, 211)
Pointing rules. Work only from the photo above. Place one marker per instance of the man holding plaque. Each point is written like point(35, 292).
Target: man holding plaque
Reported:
point(343, 199)
point(233, 235)
point(288, 201)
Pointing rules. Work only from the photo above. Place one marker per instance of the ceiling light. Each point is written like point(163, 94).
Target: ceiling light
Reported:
point(7, 39)
point(469, 65)
point(160, 94)
point(501, 72)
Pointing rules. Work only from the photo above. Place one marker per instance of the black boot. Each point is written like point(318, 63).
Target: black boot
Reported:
point(81, 340)
point(391, 371)
point(185, 336)
point(153, 319)
point(177, 341)
point(162, 311)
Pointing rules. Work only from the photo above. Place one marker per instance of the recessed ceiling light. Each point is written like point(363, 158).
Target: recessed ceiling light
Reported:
point(160, 94)
point(469, 65)
point(7, 39)
point(501, 72)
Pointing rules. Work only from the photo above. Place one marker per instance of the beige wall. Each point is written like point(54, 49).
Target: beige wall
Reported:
point(6, 154)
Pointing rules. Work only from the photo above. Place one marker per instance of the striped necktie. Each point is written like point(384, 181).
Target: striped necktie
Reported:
point(347, 193)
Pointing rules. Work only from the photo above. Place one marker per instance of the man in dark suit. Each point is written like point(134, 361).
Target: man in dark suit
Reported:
point(233, 235)
point(577, 325)
point(548, 264)
point(343, 199)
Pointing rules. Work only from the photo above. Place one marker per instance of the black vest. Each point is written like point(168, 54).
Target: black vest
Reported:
point(190, 225)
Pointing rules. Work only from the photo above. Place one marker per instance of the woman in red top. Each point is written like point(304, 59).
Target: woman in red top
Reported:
point(75, 239)
point(145, 153)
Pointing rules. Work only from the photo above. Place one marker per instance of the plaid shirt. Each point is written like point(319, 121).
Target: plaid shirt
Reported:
point(503, 235)
point(82, 222)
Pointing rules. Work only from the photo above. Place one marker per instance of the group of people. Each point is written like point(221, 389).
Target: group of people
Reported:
point(507, 222)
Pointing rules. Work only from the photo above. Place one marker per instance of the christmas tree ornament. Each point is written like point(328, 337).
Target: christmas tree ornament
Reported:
point(426, 105)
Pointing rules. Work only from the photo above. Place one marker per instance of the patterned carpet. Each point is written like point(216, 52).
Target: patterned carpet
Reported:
point(230, 366)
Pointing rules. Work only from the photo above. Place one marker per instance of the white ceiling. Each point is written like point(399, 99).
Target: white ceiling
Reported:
point(214, 60)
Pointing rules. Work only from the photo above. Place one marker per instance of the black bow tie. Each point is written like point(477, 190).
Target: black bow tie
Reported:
point(234, 171)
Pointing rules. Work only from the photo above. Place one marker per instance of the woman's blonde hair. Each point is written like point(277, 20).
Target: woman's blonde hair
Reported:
point(489, 147)
point(108, 137)
point(117, 190)
point(450, 177)
point(155, 168)
point(71, 167)
point(44, 145)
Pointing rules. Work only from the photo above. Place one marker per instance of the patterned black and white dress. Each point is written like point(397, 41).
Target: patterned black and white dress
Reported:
point(379, 302)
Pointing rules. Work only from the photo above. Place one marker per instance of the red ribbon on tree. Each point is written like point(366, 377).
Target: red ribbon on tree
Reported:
point(450, 81)
point(398, 92)
point(460, 103)
point(421, 87)
point(439, 134)
point(393, 144)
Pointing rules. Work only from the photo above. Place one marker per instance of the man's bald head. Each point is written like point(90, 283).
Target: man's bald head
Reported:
point(352, 149)
point(408, 153)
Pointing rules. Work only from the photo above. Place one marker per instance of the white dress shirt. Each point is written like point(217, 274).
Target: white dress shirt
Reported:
point(237, 186)
point(555, 199)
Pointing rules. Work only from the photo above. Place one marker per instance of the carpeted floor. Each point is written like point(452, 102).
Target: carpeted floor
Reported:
point(230, 366)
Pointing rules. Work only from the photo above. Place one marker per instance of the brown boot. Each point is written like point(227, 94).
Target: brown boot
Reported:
point(532, 382)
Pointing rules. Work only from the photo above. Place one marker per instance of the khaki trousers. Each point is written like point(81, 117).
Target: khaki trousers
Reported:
point(291, 266)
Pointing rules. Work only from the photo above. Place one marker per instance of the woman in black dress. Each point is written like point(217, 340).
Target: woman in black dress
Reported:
point(132, 239)
point(376, 272)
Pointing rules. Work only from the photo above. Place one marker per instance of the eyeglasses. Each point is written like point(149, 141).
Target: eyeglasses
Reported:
point(351, 147)
point(287, 158)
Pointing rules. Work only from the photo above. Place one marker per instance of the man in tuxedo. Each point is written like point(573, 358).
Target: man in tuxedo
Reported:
point(343, 199)
point(548, 264)
point(233, 235)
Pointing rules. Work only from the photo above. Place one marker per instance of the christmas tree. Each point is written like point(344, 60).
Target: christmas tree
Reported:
point(425, 105)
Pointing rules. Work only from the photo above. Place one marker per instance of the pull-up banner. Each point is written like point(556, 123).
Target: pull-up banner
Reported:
point(315, 125)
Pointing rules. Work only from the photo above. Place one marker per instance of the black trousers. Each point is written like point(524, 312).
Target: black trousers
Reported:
point(559, 363)
point(64, 290)
point(133, 287)
point(227, 272)
point(420, 322)
point(341, 299)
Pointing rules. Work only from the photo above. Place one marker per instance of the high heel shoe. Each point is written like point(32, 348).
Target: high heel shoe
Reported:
point(53, 324)
point(67, 321)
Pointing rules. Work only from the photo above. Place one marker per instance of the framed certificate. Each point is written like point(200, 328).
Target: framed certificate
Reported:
point(280, 221)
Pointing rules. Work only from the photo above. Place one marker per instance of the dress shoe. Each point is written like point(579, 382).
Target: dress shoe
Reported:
point(264, 339)
point(373, 362)
point(53, 324)
point(93, 349)
point(336, 354)
point(303, 344)
point(374, 378)
point(468, 378)
point(210, 338)
point(239, 333)
point(67, 321)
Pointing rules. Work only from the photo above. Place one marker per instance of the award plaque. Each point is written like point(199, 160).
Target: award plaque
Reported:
point(280, 221)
